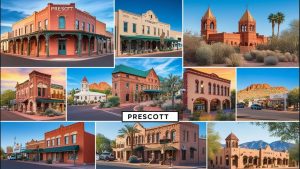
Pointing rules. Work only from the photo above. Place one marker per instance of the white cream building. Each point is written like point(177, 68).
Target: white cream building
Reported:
point(137, 33)
point(85, 95)
point(4, 42)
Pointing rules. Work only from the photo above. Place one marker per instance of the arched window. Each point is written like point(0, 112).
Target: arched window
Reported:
point(153, 137)
point(197, 86)
point(222, 91)
point(209, 88)
point(157, 138)
point(173, 135)
point(205, 26)
point(212, 25)
point(202, 87)
point(218, 90)
point(214, 89)
point(167, 134)
point(62, 22)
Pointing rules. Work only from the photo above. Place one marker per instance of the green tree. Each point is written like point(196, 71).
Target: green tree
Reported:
point(294, 153)
point(171, 85)
point(272, 19)
point(3, 156)
point(232, 98)
point(293, 98)
point(213, 141)
point(279, 19)
point(103, 143)
point(129, 130)
point(7, 96)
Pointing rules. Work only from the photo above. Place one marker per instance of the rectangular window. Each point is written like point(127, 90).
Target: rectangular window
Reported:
point(115, 85)
point(154, 31)
point(31, 28)
point(158, 32)
point(43, 92)
point(125, 27)
point(39, 91)
point(39, 25)
point(66, 139)
point(46, 24)
point(195, 137)
point(58, 141)
point(48, 143)
point(53, 142)
point(127, 85)
point(187, 136)
point(74, 137)
point(148, 30)
point(83, 26)
point(25, 29)
point(19, 31)
point(136, 87)
point(77, 24)
point(134, 28)
point(143, 29)
point(183, 153)
point(167, 33)
point(89, 27)
point(93, 28)
point(191, 154)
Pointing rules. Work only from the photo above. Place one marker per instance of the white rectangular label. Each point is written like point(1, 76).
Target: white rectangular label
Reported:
point(149, 116)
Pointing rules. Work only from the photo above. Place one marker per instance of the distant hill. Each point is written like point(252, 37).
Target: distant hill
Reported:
point(100, 86)
point(256, 91)
point(276, 145)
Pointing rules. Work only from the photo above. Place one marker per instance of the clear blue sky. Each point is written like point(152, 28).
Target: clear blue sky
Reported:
point(93, 75)
point(228, 13)
point(245, 131)
point(14, 10)
point(167, 11)
point(25, 131)
point(287, 77)
point(114, 127)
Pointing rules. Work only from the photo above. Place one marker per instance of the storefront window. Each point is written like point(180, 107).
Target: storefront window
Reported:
point(66, 139)
point(183, 152)
point(191, 154)
point(83, 26)
point(77, 24)
point(62, 22)
point(125, 27)
point(173, 135)
point(73, 156)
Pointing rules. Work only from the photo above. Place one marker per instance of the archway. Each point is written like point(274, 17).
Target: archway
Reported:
point(235, 160)
point(245, 160)
point(215, 105)
point(200, 104)
point(226, 104)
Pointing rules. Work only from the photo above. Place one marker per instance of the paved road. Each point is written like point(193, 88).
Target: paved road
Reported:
point(87, 113)
point(9, 164)
point(246, 114)
point(166, 54)
point(8, 116)
point(14, 61)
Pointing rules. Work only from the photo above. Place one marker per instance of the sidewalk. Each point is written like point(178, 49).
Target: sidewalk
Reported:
point(37, 117)
point(60, 165)
point(59, 57)
point(152, 53)
point(113, 108)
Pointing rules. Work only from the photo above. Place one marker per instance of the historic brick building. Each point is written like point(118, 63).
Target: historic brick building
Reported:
point(179, 141)
point(141, 33)
point(133, 85)
point(232, 156)
point(246, 37)
point(34, 150)
point(205, 92)
point(58, 29)
point(38, 93)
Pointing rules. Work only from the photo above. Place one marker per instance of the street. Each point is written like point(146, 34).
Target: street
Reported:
point(247, 114)
point(87, 113)
point(163, 54)
point(14, 61)
point(9, 116)
point(11, 164)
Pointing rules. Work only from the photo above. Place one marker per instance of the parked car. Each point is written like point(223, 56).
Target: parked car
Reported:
point(256, 107)
point(240, 105)
point(107, 156)
point(11, 158)
point(97, 157)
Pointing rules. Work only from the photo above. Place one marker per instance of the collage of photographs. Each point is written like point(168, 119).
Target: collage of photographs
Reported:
point(228, 68)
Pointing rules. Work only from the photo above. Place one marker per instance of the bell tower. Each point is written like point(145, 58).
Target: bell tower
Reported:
point(247, 29)
point(84, 85)
point(208, 24)
point(232, 141)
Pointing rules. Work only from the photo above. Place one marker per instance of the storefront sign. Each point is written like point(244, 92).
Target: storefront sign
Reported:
point(62, 8)
point(149, 116)
point(278, 96)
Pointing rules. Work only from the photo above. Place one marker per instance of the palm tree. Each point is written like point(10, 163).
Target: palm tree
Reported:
point(171, 85)
point(129, 130)
point(272, 19)
point(279, 19)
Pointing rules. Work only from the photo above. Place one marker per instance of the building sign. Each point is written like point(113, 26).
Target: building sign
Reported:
point(278, 96)
point(62, 8)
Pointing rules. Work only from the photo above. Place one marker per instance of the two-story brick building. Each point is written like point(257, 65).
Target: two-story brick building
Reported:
point(179, 141)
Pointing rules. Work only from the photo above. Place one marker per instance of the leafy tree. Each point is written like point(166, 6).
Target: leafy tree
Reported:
point(113, 144)
point(171, 85)
point(103, 143)
point(287, 131)
point(213, 141)
point(129, 130)
point(272, 19)
point(279, 19)
point(294, 153)
point(293, 98)
point(2, 155)
point(232, 98)
point(7, 96)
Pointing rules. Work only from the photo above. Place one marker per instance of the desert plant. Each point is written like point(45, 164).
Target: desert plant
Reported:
point(204, 56)
point(248, 57)
point(282, 58)
point(254, 53)
point(50, 112)
point(234, 60)
point(114, 100)
point(133, 159)
point(49, 161)
point(260, 56)
point(271, 60)
point(101, 105)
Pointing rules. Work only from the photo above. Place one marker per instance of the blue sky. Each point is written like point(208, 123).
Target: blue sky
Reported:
point(287, 77)
point(114, 127)
point(25, 131)
point(14, 10)
point(245, 131)
point(228, 13)
point(162, 66)
point(167, 11)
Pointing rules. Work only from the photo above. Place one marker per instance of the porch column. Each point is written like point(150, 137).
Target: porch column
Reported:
point(177, 45)
point(102, 45)
point(79, 44)
point(47, 45)
point(110, 46)
point(38, 46)
point(129, 45)
point(22, 46)
point(208, 106)
point(97, 40)
point(14, 46)
point(106, 45)
point(89, 45)
point(28, 46)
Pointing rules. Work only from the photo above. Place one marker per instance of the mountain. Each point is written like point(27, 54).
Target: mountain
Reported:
point(276, 145)
point(256, 91)
point(100, 86)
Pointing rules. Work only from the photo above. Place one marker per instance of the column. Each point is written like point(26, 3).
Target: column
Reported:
point(221, 105)
point(47, 45)
point(110, 46)
point(38, 46)
point(129, 45)
point(79, 44)
point(106, 45)
point(97, 45)
point(177, 45)
point(89, 45)
point(150, 45)
point(28, 46)
point(208, 106)
point(14, 47)
point(22, 46)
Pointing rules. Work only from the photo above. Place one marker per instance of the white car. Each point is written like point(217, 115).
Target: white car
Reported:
point(11, 158)
point(106, 156)
point(97, 157)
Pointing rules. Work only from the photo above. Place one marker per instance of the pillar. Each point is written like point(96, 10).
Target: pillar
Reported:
point(106, 45)
point(14, 46)
point(97, 45)
point(89, 45)
point(129, 45)
point(21, 46)
point(47, 45)
point(28, 46)
point(208, 106)
point(177, 45)
point(38, 46)
point(79, 44)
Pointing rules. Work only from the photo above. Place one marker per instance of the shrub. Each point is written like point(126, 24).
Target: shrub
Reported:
point(204, 56)
point(282, 58)
point(234, 60)
point(260, 56)
point(271, 60)
point(49, 161)
point(153, 104)
point(101, 105)
point(248, 57)
point(221, 116)
point(221, 51)
point(288, 57)
point(50, 112)
point(196, 115)
point(254, 53)
point(107, 105)
point(133, 159)
point(167, 106)
point(140, 108)
point(114, 100)
point(92, 102)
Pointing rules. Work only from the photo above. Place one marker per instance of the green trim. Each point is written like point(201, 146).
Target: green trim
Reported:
point(56, 86)
point(33, 150)
point(62, 149)
point(152, 91)
point(142, 37)
point(42, 100)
